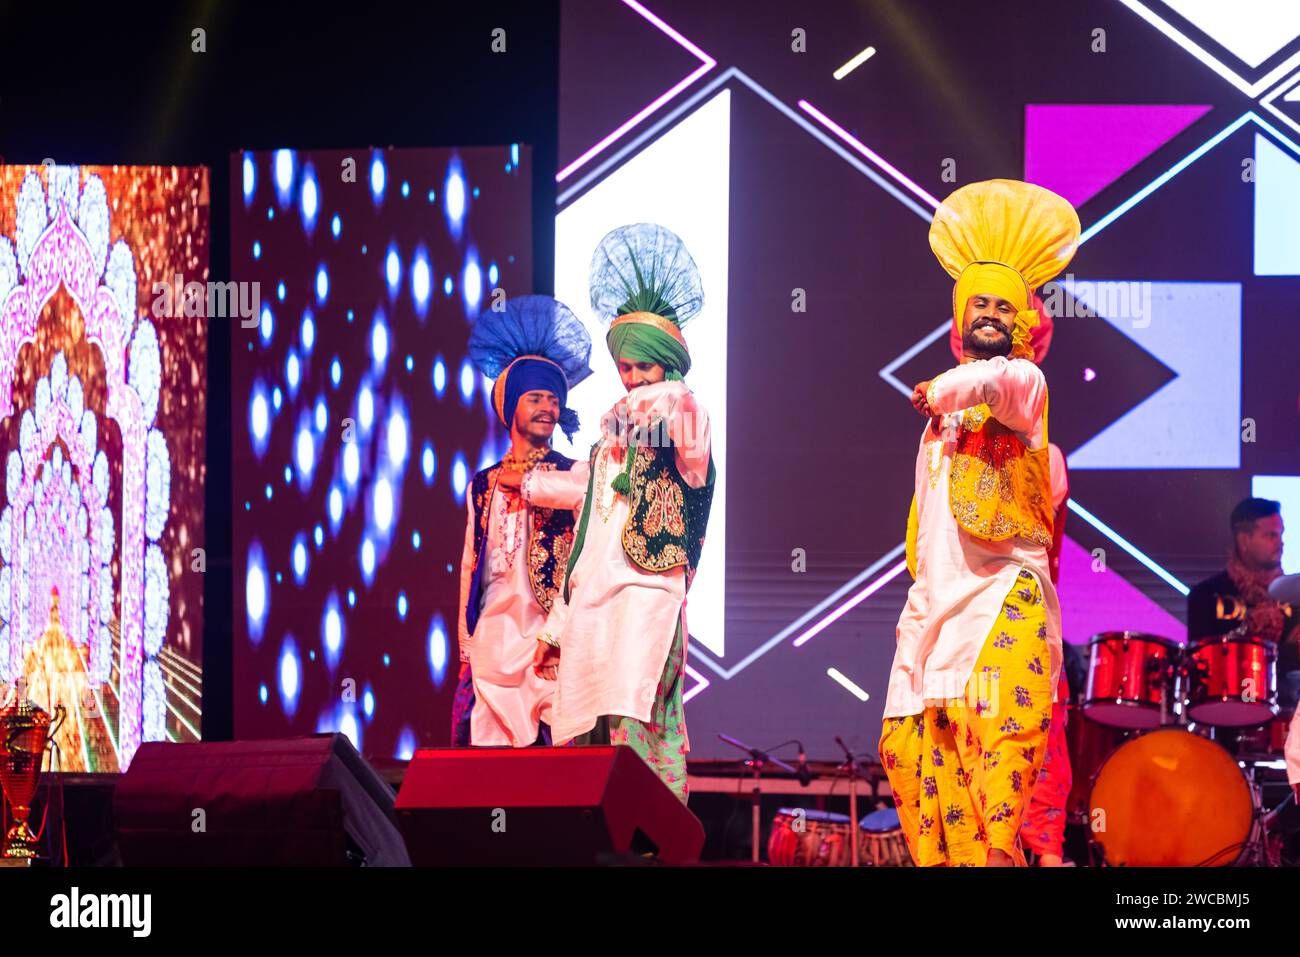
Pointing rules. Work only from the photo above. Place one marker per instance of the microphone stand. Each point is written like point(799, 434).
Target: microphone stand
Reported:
point(851, 764)
point(757, 759)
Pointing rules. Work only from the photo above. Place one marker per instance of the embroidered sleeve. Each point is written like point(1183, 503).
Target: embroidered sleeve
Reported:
point(552, 488)
point(1014, 390)
point(466, 572)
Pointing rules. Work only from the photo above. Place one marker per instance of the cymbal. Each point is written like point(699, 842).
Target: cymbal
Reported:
point(1286, 588)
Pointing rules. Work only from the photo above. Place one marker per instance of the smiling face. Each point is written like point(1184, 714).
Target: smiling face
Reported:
point(536, 415)
point(636, 374)
point(986, 327)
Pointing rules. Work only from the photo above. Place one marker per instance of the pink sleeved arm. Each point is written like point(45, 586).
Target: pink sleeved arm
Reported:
point(1014, 390)
point(688, 427)
point(1059, 476)
point(554, 488)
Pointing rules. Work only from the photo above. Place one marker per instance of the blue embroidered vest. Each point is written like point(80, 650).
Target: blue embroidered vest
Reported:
point(550, 539)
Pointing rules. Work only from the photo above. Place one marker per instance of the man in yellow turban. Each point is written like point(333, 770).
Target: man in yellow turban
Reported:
point(970, 693)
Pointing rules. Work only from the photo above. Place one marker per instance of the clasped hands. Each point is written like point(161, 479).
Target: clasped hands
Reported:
point(546, 661)
point(922, 405)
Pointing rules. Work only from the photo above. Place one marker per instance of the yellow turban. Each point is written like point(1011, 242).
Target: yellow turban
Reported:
point(1004, 238)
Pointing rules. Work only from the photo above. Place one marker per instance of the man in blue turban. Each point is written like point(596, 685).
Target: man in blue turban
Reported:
point(515, 556)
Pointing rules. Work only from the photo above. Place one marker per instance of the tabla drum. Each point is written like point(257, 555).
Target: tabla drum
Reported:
point(809, 838)
point(1128, 678)
point(1171, 799)
point(881, 842)
point(1232, 681)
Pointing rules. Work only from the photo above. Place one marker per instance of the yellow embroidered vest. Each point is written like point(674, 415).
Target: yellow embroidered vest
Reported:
point(998, 488)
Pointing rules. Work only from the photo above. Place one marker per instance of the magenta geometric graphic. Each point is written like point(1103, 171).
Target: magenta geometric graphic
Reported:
point(1093, 601)
point(1077, 150)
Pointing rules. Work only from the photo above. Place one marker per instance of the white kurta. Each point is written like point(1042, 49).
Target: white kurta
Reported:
point(962, 580)
point(616, 630)
point(509, 699)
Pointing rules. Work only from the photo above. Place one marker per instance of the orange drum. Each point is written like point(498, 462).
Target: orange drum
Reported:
point(1171, 799)
point(1128, 677)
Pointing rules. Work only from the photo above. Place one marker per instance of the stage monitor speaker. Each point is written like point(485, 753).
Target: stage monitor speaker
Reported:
point(571, 806)
point(309, 801)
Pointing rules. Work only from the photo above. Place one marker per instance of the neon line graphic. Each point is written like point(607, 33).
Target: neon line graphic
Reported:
point(1128, 546)
point(1278, 134)
point(703, 683)
point(1166, 176)
point(707, 63)
point(1293, 84)
point(866, 151)
point(853, 64)
point(849, 605)
point(887, 373)
point(809, 128)
point(1250, 89)
point(728, 673)
point(838, 677)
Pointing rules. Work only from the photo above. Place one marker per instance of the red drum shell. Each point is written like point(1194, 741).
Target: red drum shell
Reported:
point(1232, 681)
point(1128, 674)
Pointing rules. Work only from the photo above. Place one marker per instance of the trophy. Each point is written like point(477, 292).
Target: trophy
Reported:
point(24, 731)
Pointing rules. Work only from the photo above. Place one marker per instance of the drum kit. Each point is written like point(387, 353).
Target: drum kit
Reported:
point(1170, 792)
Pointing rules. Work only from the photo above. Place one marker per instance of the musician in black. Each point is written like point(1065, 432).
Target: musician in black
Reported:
point(1239, 594)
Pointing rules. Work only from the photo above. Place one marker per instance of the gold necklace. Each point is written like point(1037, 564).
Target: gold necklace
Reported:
point(510, 500)
point(511, 463)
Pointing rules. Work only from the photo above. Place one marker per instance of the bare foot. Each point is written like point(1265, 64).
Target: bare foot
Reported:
point(999, 858)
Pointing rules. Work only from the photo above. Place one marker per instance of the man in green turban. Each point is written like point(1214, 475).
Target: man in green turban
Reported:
point(615, 641)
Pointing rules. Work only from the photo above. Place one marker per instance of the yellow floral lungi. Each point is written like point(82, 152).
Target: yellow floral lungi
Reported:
point(963, 771)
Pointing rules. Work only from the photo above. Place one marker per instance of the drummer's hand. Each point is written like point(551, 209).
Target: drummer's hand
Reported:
point(546, 661)
point(510, 478)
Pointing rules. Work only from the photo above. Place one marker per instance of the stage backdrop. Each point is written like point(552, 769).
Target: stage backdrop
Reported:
point(801, 155)
point(359, 422)
point(103, 383)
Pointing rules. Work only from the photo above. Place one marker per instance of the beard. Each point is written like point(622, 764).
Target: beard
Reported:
point(982, 348)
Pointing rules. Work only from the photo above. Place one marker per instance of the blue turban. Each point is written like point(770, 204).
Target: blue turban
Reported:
point(526, 374)
point(536, 342)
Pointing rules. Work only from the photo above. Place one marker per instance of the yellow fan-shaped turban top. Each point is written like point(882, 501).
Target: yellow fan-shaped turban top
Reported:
point(1004, 238)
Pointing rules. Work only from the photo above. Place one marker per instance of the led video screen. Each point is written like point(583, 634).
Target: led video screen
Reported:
point(103, 383)
point(358, 422)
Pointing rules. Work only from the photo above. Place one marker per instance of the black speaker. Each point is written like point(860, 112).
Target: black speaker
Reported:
point(310, 801)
